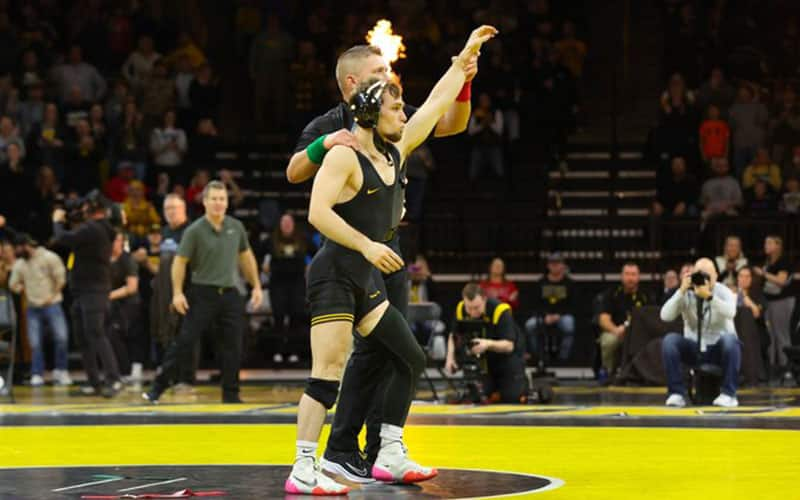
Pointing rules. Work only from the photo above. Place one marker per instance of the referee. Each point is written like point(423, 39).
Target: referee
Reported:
point(214, 244)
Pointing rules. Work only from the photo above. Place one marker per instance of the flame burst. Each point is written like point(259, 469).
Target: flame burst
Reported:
point(391, 44)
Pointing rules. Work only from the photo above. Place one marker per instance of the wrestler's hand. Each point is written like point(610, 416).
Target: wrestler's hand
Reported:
point(476, 39)
point(341, 137)
point(382, 257)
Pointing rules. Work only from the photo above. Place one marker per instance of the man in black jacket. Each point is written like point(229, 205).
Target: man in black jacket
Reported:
point(90, 285)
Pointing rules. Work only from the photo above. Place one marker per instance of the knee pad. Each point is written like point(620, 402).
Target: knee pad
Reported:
point(323, 391)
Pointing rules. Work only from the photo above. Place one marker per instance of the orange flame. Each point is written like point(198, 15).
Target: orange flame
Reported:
point(384, 38)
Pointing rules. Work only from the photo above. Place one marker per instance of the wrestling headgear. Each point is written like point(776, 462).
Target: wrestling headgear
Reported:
point(366, 105)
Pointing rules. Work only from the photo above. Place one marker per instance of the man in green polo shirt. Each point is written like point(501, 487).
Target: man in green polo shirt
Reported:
point(215, 245)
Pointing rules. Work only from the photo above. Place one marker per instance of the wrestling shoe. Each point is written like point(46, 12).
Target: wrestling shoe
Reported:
point(306, 478)
point(350, 465)
point(393, 466)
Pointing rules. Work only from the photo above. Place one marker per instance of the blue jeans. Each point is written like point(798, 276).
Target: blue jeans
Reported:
point(565, 325)
point(727, 353)
point(54, 316)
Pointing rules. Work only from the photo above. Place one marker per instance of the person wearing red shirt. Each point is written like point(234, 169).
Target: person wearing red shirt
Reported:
point(714, 136)
point(498, 287)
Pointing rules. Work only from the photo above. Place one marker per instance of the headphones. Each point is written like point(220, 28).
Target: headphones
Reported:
point(366, 105)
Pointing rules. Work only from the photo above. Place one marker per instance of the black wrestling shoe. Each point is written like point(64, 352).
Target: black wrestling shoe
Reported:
point(350, 465)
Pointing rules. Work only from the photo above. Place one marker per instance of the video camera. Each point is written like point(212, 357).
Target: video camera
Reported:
point(465, 334)
point(78, 209)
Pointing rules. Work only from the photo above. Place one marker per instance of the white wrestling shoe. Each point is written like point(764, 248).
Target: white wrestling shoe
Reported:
point(307, 478)
point(393, 466)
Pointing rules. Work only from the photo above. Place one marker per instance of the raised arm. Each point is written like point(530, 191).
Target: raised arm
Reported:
point(339, 166)
point(443, 93)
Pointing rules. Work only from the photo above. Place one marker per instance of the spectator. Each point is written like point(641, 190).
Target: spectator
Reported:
point(139, 65)
point(131, 144)
point(785, 125)
point(31, 110)
point(486, 130)
point(717, 92)
point(792, 166)
point(285, 264)
point(40, 275)
point(671, 282)
point(9, 134)
point(205, 144)
point(48, 140)
point(204, 94)
point(31, 73)
point(115, 105)
point(83, 160)
point(184, 76)
point(760, 199)
point(751, 297)
point(555, 304)
point(116, 189)
point(615, 317)
point(270, 54)
point(16, 186)
point(572, 50)
point(731, 261)
point(714, 136)
point(498, 287)
point(776, 275)
point(125, 331)
point(422, 291)
point(157, 94)
point(748, 122)
point(7, 259)
point(75, 108)
point(235, 194)
point(187, 48)
point(676, 196)
point(677, 119)
point(168, 145)
point(97, 124)
point(790, 199)
point(46, 194)
point(720, 195)
point(762, 168)
point(140, 213)
point(76, 73)
point(194, 193)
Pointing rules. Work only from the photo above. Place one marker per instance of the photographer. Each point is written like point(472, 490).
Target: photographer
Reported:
point(485, 342)
point(719, 343)
point(90, 284)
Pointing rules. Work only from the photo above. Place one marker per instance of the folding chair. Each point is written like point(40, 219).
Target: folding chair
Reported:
point(8, 327)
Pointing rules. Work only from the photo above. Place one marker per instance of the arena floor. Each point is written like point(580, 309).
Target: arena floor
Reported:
point(590, 443)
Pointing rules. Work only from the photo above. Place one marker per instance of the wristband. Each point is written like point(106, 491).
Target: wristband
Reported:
point(316, 150)
point(466, 92)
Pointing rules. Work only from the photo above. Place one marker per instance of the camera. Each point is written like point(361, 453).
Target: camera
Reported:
point(465, 335)
point(700, 278)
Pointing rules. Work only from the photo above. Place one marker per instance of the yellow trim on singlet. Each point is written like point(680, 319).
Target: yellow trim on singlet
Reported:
point(498, 311)
point(326, 318)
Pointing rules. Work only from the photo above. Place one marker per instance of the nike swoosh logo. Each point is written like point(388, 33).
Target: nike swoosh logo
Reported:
point(373, 191)
point(373, 295)
point(362, 472)
point(305, 483)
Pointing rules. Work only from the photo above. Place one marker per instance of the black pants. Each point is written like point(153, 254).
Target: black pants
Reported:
point(289, 300)
point(125, 333)
point(207, 305)
point(90, 316)
point(364, 384)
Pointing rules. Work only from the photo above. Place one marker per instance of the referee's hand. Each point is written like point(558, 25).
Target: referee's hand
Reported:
point(255, 298)
point(180, 303)
point(383, 257)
